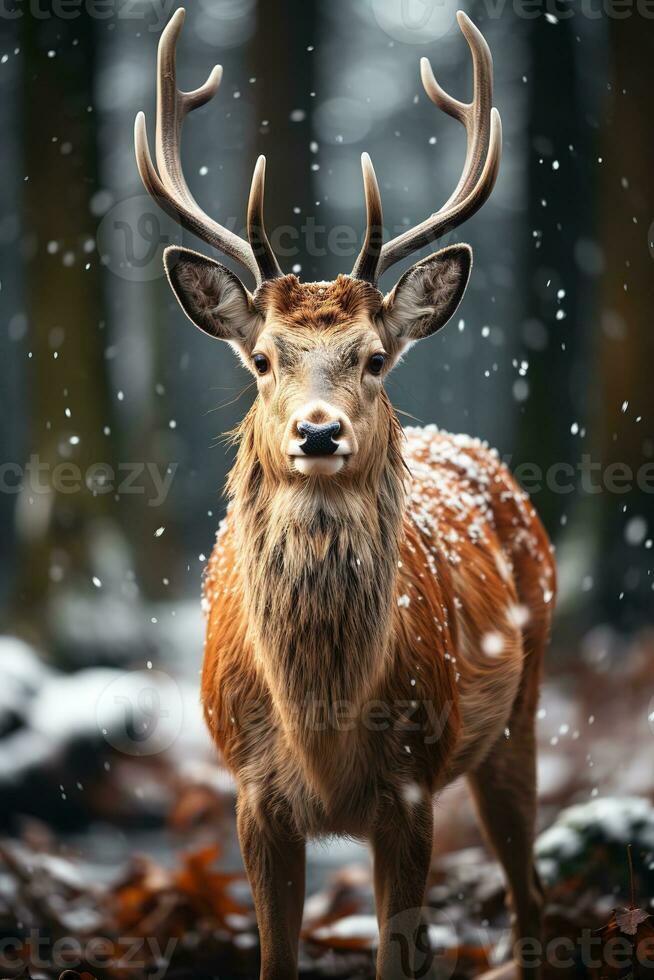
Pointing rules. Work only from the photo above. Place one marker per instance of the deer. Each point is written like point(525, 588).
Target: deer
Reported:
point(379, 599)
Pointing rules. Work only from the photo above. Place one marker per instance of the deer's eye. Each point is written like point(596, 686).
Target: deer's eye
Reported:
point(261, 363)
point(376, 363)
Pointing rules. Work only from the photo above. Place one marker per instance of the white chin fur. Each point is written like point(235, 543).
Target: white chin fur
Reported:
point(318, 465)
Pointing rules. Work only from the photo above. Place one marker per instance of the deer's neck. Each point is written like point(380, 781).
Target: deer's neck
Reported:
point(319, 565)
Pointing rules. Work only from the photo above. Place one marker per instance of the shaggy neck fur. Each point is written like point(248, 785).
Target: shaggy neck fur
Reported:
point(310, 553)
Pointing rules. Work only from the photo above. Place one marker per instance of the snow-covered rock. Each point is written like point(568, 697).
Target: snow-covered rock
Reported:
point(597, 833)
point(22, 674)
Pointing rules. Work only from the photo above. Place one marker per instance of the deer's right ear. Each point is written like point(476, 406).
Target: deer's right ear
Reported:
point(212, 297)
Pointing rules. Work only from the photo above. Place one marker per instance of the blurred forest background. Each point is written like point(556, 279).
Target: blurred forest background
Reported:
point(113, 408)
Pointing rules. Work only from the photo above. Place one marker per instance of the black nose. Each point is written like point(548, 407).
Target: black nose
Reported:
point(318, 438)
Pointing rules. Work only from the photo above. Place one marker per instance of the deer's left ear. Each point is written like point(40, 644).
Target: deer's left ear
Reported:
point(427, 295)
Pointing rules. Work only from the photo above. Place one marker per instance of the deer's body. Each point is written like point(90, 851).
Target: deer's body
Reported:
point(378, 602)
point(327, 717)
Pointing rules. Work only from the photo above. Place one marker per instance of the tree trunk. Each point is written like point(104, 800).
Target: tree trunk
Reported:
point(625, 331)
point(285, 79)
point(69, 398)
point(558, 212)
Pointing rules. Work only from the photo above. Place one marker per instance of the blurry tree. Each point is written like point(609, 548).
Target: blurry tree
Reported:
point(13, 324)
point(285, 71)
point(70, 413)
point(625, 411)
point(559, 205)
point(133, 232)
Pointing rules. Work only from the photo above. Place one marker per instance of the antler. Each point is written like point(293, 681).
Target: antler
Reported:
point(484, 150)
point(168, 185)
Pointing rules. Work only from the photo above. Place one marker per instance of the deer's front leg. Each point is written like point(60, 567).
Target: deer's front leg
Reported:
point(274, 858)
point(402, 843)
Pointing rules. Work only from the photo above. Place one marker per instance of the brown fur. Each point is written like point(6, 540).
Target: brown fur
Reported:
point(370, 636)
point(319, 305)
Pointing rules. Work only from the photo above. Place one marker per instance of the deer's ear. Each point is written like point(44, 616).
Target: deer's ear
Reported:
point(212, 297)
point(427, 295)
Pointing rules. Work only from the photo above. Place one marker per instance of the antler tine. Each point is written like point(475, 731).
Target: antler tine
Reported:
point(168, 185)
point(191, 218)
point(483, 153)
point(474, 115)
point(365, 266)
point(263, 253)
point(457, 212)
point(173, 106)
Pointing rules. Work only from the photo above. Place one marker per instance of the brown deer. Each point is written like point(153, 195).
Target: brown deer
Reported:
point(378, 599)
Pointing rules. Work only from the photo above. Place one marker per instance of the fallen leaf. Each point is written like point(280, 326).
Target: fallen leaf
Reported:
point(628, 920)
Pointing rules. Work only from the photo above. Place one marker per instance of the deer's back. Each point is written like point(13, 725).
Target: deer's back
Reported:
point(491, 555)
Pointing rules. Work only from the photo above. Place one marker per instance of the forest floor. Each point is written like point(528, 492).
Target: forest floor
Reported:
point(115, 865)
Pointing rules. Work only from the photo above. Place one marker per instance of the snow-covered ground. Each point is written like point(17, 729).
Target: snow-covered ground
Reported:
point(115, 744)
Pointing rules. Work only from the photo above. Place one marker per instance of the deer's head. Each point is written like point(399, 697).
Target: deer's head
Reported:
point(319, 351)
